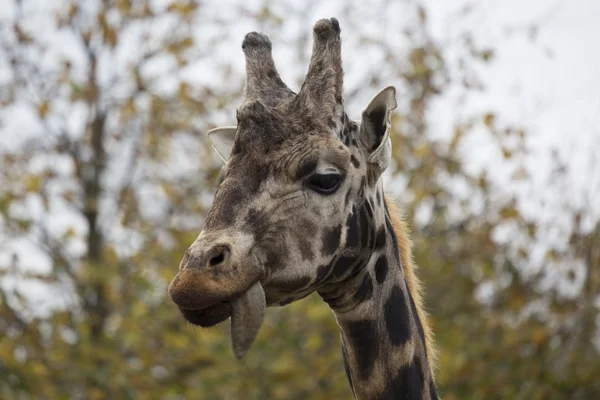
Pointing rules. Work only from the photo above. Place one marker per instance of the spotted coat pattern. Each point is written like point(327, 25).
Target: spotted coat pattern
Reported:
point(301, 208)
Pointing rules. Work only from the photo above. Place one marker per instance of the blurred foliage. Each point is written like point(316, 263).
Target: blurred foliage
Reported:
point(113, 202)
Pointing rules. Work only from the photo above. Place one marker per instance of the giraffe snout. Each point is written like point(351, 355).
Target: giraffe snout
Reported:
point(215, 269)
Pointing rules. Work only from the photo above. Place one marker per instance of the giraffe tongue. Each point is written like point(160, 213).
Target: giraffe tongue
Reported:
point(248, 311)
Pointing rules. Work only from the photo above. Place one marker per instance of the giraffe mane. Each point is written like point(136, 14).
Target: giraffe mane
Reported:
point(414, 284)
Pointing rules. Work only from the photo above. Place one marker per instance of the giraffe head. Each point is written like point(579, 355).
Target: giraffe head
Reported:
point(296, 171)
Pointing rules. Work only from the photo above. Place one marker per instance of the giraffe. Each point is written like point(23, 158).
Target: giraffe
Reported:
point(300, 207)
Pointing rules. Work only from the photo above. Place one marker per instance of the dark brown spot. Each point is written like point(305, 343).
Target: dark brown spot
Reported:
point(362, 338)
point(397, 318)
point(355, 161)
point(364, 228)
point(365, 290)
point(305, 245)
point(222, 212)
point(331, 240)
point(343, 264)
point(381, 269)
point(276, 259)
point(407, 384)
point(353, 234)
point(381, 238)
point(256, 222)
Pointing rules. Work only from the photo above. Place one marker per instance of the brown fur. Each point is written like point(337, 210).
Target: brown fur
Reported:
point(414, 284)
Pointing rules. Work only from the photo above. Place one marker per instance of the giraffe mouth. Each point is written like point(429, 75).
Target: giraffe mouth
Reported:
point(207, 317)
point(211, 293)
point(247, 311)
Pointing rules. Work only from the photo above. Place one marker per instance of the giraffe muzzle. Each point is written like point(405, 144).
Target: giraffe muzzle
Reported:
point(212, 286)
point(246, 310)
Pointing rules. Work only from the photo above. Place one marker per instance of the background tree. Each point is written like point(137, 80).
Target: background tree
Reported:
point(105, 178)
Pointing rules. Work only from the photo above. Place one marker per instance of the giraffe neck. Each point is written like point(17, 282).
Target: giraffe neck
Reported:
point(383, 342)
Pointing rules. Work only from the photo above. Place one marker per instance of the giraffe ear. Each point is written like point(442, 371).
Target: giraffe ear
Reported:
point(222, 140)
point(375, 128)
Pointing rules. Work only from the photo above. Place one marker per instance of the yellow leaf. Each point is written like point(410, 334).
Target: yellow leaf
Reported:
point(43, 109)
point(110, 36)
point(69, 233)
point(33, 183)
point(489, 119)
point(509, 212)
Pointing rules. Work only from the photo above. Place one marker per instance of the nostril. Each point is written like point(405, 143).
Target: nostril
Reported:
point(217, 255)
point(218, 259)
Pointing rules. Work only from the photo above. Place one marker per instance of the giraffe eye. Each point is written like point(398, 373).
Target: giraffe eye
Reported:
point(324, 184)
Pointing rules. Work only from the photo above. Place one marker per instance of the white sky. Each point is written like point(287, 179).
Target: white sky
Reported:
point(550, 85)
